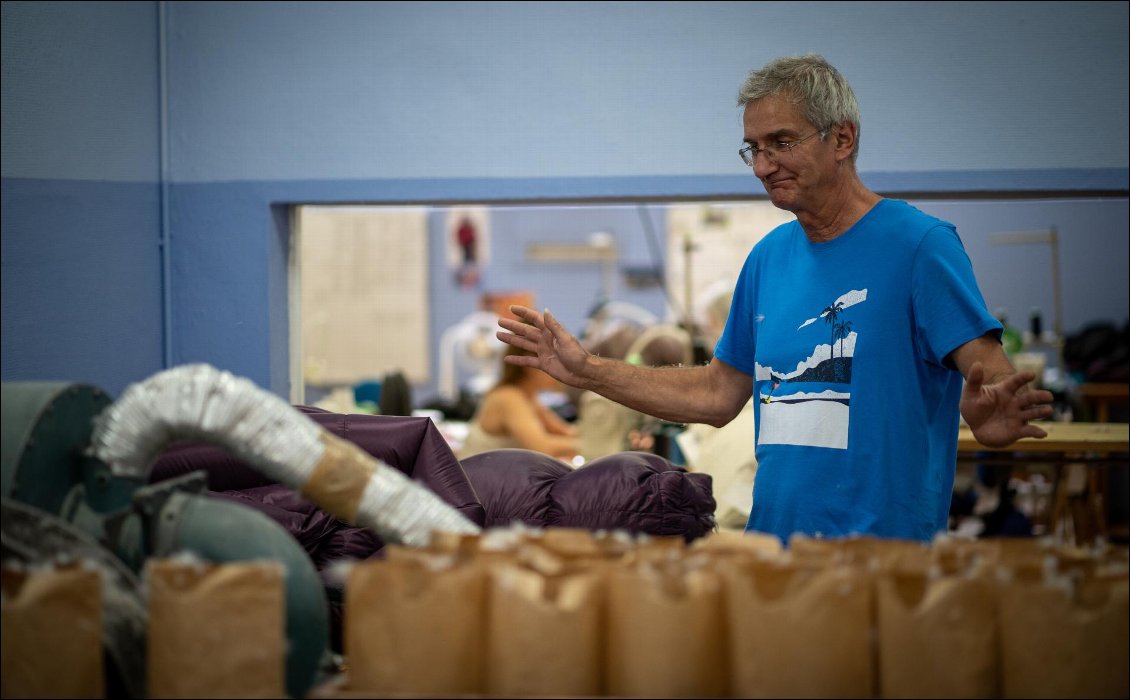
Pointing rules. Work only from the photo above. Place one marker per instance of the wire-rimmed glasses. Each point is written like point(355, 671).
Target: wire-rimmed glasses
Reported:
point(749, 152)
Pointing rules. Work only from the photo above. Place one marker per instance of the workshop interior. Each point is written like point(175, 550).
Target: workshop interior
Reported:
point(255, 258)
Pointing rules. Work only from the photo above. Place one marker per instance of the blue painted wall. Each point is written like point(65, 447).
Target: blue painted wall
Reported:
point(360, 91)
point(1093, 251)
point(279, 103)
point(82, 292)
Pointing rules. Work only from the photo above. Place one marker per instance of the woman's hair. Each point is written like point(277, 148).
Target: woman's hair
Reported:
point(512, 374)
point(822, 93)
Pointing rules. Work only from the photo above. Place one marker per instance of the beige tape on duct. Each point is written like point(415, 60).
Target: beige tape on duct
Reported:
point(203, 403)
point(339, 479)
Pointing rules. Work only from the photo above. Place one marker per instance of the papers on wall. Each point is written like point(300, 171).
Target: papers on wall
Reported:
point(720, 236)
point(364, 293)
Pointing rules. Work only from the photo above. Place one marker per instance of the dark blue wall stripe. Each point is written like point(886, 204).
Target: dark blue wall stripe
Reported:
point(1063, 181)
point(81, 282)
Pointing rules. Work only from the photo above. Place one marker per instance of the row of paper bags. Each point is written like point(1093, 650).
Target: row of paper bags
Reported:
point(565, 613)
point(523, 612)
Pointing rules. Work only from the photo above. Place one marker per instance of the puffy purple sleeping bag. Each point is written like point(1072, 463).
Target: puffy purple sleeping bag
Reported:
point(634, 491)
point(412, 445)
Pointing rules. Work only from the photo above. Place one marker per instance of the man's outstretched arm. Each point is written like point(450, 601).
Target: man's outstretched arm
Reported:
point(711, 394)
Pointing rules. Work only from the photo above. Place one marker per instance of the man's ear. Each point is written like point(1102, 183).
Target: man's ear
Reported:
point(845, 135)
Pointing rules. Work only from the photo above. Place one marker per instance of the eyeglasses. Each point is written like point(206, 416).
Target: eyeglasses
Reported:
point(749, 152)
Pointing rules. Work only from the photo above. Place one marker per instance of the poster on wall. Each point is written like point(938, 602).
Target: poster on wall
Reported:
point(364, 278)
point(467, 237)
point(707, 244)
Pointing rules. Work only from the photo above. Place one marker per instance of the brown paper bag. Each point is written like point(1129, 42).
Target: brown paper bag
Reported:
point(581, 546)
point(799, 631)
point(725, 542)
point(955, 556)
point(52, 633)
point(1033, 560)
point(464, 543)
point(415, 627)
point(1064, 641)
point(866, 551)
point(545, 633)
point(938, 637)
point(216, 630)
point(666, 632)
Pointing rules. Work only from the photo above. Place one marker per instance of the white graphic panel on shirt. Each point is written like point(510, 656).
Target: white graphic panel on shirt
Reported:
point(811, 405)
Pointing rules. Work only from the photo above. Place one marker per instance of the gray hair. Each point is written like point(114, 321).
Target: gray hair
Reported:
point(809, 81)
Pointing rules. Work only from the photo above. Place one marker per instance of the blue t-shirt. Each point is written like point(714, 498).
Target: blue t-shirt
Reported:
point(856, 403)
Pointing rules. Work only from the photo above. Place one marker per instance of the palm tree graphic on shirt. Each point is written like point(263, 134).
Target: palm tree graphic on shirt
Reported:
point(811, 404)
point(831, 314)
point(843, 330)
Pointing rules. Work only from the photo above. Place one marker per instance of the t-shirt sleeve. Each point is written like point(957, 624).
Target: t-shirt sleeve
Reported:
point(948, 308)
point(738, 342)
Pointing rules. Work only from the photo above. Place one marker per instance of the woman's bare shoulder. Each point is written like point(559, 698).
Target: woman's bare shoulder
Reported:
point(503, 400)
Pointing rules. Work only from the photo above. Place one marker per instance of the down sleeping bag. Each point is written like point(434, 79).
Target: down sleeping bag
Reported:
point(638, 492)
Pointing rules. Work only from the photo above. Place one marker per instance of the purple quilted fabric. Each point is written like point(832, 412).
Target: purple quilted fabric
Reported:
point(412, 445)
point(634, 491)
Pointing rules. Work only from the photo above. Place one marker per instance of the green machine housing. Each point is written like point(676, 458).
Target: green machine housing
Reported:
point(61, 502)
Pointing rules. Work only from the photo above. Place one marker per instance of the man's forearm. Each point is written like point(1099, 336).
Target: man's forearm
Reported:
point(675, 394)
point(986, 350)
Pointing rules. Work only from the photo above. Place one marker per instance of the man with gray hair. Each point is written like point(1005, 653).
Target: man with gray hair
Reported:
point(858, 328)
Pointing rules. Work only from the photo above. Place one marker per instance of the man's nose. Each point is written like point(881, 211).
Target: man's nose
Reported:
point(763, 164)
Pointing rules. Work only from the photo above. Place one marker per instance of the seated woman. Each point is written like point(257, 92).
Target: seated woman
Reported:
point(510, 415)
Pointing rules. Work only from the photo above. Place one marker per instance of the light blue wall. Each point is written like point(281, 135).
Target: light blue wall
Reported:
point(82, 293)
point(273, 103)
point(327, 90)
point(80, 89)
point(1093, 252)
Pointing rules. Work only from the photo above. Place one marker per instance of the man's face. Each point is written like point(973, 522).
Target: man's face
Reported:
point(791, 176)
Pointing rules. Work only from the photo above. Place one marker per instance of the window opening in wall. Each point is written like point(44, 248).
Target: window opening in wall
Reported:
point(377, 290)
